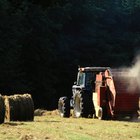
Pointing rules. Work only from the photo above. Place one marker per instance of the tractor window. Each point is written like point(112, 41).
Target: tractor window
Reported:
point(90, 80)
point(81, 78)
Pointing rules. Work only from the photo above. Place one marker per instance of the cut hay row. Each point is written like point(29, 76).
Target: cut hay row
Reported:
point(19, 108)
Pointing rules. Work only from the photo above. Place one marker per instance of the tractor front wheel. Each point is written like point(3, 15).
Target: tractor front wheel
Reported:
point(64, 107)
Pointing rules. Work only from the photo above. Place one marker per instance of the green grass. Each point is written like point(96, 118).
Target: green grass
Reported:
point(53, 127)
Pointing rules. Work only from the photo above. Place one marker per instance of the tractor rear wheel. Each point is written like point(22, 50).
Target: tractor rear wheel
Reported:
point(64, 107)
point(81, 108)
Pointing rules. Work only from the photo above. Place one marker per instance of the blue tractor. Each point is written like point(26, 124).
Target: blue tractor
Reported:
point(82, 92)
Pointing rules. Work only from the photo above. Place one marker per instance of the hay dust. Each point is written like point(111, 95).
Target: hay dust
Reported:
point(131, 75)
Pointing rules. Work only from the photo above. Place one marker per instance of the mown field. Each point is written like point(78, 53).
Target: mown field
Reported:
point(52, 127)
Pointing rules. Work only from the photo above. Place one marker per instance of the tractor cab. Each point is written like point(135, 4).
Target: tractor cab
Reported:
point(83, 90)
point(86, 78)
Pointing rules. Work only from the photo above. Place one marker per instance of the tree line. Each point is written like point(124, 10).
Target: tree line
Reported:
point(43, 41)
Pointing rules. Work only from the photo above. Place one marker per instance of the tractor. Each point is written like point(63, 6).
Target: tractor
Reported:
point(103, 93)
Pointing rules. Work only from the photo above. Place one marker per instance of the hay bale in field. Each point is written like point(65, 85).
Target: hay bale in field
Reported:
point(12, 108)
point(10, 105)
point(19, 107)
point(16, 113)
point(25, 108)
point(30, 107)
point(2, 109)
point(22, 109)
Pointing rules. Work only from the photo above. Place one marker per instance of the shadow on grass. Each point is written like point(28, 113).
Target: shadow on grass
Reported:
point(48, 121)
point(128, 119)
point(14, 123)
point(53, 121)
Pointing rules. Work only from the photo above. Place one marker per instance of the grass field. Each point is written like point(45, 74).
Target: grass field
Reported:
point(52, 127)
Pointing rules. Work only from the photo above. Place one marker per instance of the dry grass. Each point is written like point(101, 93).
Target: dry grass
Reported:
point(51, 126)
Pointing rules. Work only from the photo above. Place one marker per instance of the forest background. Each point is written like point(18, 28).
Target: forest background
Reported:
point(42, 42)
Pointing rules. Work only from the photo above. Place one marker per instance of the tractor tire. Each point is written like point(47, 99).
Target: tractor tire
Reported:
point(2, 110)
point(81, 104)
point(64, 107)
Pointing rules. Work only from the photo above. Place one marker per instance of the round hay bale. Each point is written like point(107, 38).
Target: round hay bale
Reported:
point(30, 107)
point(11, 104)
point(25, 108)
point(15, 108)
point(21, 108)
point(2, 109)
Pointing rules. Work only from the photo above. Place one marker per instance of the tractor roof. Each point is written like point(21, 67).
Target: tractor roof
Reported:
point(100, 69)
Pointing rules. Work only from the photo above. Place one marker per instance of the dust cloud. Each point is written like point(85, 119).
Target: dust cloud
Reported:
point(134, 71)
point(129, 77)
point(132, 75)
